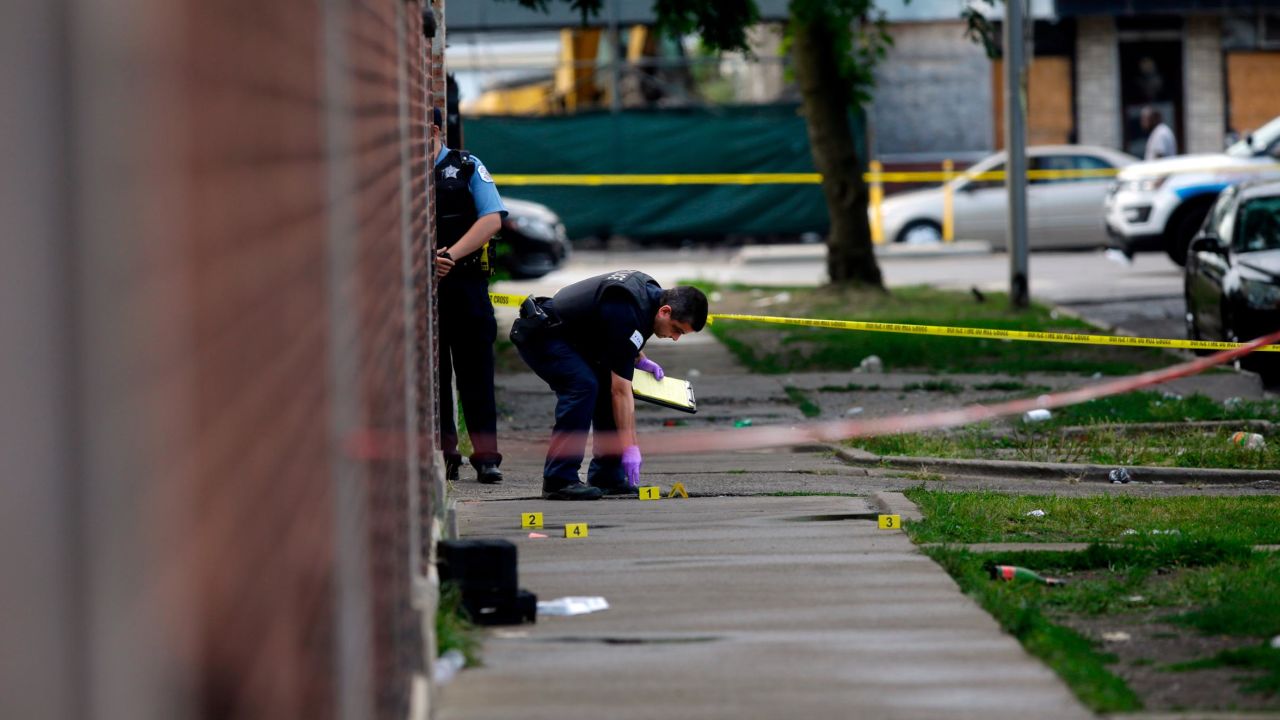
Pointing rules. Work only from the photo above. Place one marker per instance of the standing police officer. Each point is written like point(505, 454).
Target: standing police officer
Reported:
point(584, 343)
point(468, 213)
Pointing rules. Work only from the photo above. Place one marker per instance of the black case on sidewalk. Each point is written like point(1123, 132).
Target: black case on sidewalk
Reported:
point(485, 572)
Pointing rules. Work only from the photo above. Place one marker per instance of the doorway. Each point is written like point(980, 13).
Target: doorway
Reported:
point(1150, 74)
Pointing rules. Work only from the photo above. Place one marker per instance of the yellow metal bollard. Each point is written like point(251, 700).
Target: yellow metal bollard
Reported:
point(876, 198)
point(948, 207)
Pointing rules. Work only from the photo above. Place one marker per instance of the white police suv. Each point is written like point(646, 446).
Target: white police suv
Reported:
point(1159, 205)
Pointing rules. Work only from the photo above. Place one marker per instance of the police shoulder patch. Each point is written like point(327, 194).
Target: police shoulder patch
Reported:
point(483, 172)
point(637, 339)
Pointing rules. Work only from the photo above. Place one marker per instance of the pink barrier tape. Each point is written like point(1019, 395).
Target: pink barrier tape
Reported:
point(376, 445)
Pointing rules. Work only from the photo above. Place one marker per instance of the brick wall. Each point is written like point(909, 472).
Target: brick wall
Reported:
point(236, 220)
point(1097, 82)
point(1204, 91)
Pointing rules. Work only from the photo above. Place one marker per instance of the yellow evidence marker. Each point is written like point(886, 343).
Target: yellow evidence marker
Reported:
point(890, 522)
point(650, 492)
point(575, 530)
point(531, 520)
point(678, 489)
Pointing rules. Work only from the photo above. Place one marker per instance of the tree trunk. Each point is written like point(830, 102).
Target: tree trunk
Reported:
point(826, 106)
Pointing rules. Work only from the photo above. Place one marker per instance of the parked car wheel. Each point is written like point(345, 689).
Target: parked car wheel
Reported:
point(1184, 227)
point(920, 232)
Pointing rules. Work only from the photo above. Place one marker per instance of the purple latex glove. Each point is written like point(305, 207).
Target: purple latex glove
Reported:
point(650, 366)
point(631, 464)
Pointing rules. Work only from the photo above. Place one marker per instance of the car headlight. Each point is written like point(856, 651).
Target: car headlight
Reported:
point(537, 229)
point(1261, 295)
point(1146, 184)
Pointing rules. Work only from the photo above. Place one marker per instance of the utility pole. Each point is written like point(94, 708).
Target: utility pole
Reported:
point(1015, 138)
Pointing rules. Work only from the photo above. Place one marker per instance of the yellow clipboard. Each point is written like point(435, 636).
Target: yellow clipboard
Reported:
point(667, 392)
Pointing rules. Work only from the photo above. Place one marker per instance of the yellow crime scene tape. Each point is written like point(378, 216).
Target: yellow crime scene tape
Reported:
point(960, 332)
point(782, 178)
point(875, 176)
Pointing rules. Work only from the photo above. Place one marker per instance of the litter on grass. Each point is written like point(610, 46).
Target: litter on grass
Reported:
point(1014, 572)
point(1036, 513)
point(1120, 476)
point(572, 605)
point(1117, 636)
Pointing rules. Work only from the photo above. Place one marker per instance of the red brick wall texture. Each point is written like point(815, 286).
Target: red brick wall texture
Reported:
point(300, 165)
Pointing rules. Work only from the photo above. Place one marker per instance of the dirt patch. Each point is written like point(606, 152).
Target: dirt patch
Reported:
point(1153, 645)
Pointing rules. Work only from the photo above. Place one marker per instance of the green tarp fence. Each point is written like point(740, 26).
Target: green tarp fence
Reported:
point(738, 139)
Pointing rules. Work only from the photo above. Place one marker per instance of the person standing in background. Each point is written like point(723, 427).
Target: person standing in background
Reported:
point(468, 213)
point(1160, 140)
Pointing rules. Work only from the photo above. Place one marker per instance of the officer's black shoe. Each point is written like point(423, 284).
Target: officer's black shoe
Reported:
point(488, 473)
point(621, 489)
point(573, 491)
point(451, 466)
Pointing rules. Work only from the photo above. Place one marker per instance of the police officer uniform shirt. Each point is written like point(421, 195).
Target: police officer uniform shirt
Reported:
point(484, 193)
point(619, 321)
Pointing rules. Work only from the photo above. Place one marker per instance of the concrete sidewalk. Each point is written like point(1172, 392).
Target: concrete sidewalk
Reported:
point(742, 607)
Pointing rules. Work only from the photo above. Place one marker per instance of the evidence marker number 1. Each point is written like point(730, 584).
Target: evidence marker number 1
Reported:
point(650, 492)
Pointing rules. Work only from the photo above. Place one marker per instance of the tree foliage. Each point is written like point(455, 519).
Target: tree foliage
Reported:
point(835, 46)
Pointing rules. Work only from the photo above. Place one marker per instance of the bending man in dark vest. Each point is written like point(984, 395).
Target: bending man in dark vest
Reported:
point(584, 343)
point(468, 213)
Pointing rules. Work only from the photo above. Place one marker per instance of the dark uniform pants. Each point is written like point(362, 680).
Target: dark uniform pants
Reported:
point(467, 332)
point(583, 399)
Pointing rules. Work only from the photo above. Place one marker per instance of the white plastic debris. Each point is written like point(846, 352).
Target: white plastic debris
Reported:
point(448, 665)
point(694, 372)
point(1130, 531)
point(871, 364)
point(1136, 598)
point(1035, 513)
point(1116, 636)
point(1096, 376)
point(1173, 531)
point(1170, 395)
point(573, 605)
point(1231, 402)
point(1120, 476)
point(1037, 415)
point(853, 411)
point(1275, 642)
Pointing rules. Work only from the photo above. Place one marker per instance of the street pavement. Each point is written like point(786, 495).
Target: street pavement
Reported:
point(742, 607)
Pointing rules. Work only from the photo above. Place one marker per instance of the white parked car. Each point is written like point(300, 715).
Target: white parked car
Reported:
point(1160, 205)
point(1061, 212)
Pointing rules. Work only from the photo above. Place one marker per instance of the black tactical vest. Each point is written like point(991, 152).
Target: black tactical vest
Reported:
point(455, 207)
point(574, 303)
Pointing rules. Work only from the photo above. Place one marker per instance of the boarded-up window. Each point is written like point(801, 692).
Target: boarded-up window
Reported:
point(1049, 116)
point(1251, 85)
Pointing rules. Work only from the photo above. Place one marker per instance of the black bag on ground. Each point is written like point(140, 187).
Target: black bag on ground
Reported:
point(485, 573)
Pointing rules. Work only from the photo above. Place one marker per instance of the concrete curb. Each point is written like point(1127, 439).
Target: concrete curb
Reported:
point(817, 252)
point(895, 503)
point(1075, 472)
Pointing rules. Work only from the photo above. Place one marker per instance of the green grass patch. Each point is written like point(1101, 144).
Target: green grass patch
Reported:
point(1146, 406)
point(807, 406)
point(973, 517)
point(1012, 386)
point(779, 348)
point(454, 630)
point(942, 386)
point(849, 387)
point(1259, 658)
point(1189, 447)
point(1015, 607)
